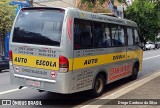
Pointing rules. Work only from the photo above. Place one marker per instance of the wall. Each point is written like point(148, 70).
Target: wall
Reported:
point(62, 3)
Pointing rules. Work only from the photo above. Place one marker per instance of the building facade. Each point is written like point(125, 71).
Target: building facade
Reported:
point(56, 3)
point(129, 2)
point(116, 7)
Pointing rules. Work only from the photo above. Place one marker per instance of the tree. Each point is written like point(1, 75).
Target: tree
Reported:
point(146, 14)
point(7, 14)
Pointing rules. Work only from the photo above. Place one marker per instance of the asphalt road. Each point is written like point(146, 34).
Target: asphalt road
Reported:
point(151, 64)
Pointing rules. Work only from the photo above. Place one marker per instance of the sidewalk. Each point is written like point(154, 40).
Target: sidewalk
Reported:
point(144, 93)
point(149, 91)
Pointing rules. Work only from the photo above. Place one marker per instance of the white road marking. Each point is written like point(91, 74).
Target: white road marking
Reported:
point(151, 57)
point(13, 90)
point(121, 91)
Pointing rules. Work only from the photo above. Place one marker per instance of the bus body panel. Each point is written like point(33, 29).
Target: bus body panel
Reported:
point(42, 68)
point(58, 85)
point(40, 63)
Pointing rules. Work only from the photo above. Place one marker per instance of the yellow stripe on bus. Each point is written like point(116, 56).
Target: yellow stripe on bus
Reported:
point(75, 63)
point(36, 61)
point(89, 61)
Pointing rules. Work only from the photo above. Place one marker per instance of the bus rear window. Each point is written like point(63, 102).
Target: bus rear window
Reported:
point(39, 26)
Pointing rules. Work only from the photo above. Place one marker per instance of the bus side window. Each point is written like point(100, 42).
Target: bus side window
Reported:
point(118, 37)
point(82, 34)
point(106, 36)
point(136, 41)
point(76, 36)
point(85, 39)
point(130, 36)
point(97, 34)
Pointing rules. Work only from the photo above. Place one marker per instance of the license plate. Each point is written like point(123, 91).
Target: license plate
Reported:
point(33, 83)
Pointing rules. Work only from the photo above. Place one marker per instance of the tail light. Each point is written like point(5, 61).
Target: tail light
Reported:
point(63, 64)
point(10, 55)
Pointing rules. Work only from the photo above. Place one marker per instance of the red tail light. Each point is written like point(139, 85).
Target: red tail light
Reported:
point(10, 55)
point(63, 64)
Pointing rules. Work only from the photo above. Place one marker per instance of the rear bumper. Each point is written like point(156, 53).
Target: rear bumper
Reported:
point(60, 85)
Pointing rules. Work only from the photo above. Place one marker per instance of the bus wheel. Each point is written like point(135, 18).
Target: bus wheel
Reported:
point(99, 85)
point(134, 72)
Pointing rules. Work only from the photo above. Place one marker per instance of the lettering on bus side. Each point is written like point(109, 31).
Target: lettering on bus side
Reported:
point(93, 16)
point(46, 63)
point(20, 60)
point(117, 72)
point(118, 57)
point(90, 61)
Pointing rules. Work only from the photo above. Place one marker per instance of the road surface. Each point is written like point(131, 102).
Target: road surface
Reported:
point(151, 64)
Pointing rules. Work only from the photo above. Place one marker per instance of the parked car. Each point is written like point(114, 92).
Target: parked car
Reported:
point(4, 63)
point(149, 45)
point(157, 45)
point(144, 47)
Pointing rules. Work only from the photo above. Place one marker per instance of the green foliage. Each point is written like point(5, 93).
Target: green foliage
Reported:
point(7, 14)
point(121, 1)
point(112, 1)
point(101, 1)
point(83, 1)
point(147, 16)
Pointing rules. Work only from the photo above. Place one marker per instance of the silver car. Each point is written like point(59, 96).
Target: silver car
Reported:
point(149, 45)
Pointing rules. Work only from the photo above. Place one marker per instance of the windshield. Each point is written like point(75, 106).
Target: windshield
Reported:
point(39, 26)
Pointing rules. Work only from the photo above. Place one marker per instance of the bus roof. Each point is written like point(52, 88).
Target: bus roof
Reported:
point(94, 16)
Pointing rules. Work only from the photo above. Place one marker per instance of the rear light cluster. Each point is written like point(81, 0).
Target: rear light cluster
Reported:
point(63, 64)
point(10, 55)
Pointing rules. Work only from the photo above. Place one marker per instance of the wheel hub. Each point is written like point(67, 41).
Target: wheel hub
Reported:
point(99, 85)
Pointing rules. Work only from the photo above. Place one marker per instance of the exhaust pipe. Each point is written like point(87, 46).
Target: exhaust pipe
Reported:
point(20, 87)
point(40, 90)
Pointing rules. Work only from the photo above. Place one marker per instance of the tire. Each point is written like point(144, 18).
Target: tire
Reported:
point(99, 85)
point(0, 70)
point(154, 48)
point(134, 72)
point(144, 49)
